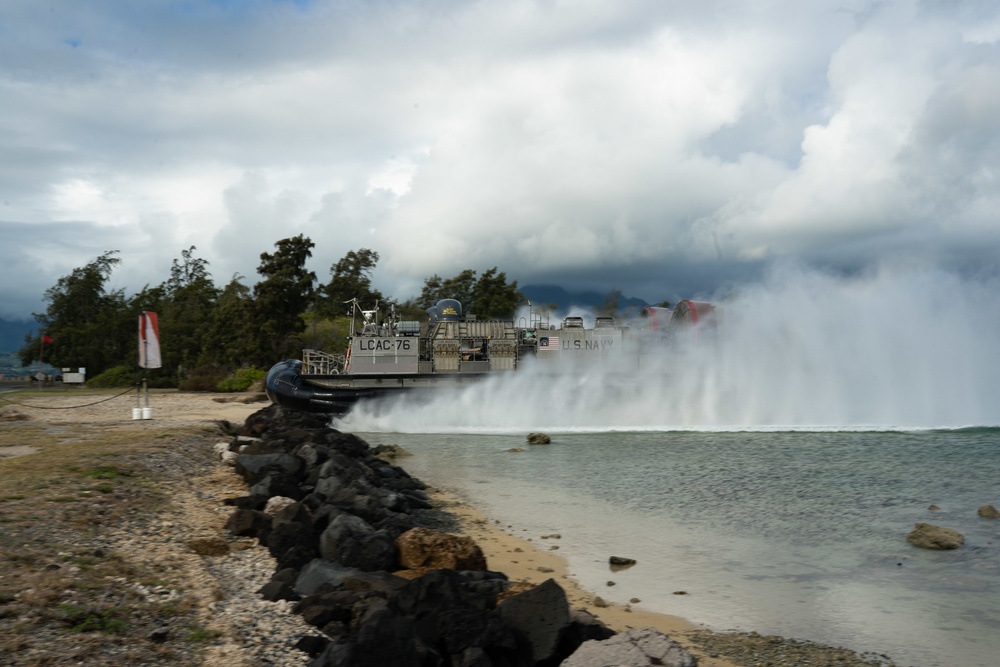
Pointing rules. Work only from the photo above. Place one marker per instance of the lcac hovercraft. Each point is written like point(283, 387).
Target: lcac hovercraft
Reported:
point(387, 356)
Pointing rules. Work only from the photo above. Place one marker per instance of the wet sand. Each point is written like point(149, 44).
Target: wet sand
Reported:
point(534, 562)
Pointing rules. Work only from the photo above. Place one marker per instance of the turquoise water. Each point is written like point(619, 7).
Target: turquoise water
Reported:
point(797, 533)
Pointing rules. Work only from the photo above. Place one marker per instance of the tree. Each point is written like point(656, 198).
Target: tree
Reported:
point(461, 288)
point(189, 297)
point(494, 298)
point(488, 297)
point(281, 298)
point(351, 278)
point(229, 337)
point(86, 322)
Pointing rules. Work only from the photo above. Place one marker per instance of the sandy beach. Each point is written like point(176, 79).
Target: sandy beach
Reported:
point(530, 560)
point(534, 562)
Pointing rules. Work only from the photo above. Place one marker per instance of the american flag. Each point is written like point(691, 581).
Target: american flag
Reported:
point(549, 343)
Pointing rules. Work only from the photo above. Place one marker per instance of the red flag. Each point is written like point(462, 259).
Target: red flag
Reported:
point(46, 338)
point(149, 340)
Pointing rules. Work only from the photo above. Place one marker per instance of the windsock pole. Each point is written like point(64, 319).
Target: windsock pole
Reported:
point(149, 356)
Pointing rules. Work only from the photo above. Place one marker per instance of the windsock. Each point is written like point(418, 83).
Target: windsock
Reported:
point(149, 340)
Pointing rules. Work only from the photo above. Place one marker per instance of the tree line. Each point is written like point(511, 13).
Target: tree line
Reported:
point(207, 332)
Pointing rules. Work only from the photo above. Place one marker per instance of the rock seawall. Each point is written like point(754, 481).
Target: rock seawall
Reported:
point(351, 526)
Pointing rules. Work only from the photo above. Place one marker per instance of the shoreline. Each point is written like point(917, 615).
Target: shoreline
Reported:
point(522, 559)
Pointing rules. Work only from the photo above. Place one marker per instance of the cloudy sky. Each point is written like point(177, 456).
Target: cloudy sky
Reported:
point(663, 148)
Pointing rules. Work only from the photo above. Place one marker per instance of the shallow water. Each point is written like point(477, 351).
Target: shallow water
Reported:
point(797, 533)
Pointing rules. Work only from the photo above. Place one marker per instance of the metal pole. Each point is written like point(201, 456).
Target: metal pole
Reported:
point(145, 372)
point(41, 351)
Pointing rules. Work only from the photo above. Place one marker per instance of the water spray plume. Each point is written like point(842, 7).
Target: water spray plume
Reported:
point(896, 349)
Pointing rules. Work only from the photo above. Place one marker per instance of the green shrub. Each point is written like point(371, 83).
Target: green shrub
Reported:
point(204, 378)
point(241, 379)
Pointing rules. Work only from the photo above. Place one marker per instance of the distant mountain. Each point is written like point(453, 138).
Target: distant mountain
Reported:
point(562, 299)
point(12, 334)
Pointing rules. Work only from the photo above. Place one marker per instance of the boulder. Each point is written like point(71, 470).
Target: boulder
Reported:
point(541, 615)
point(620, 562)
point(278, 483)
point(273, 591)
point(989, 512)
point(450, 616)
point(440, 589)
point(318, 573)
point(637, 647)
point(248, 523)
point(538, 439)
point(255, 467)
point(383, 639)
point(287, 536)
point(929, 536)
point(389, 452)
point(296, 512)
point(351, 541)
point(277, 503)
point(426, 548)
point(323, 608)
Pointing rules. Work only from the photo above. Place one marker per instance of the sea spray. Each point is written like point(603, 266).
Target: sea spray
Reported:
point(899, 348)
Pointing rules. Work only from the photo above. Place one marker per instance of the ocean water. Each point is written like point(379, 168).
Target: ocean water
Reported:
point(801, 534)
point(771, 472)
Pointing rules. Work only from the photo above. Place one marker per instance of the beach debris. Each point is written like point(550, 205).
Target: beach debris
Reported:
point(611, 583)
point(538, 439)
point(636, 647)
point(599, 601)
point(553, 536)
point(542, 568)
point(635, 600)
point(929, 536)
point(989, 512)
point(680, 592)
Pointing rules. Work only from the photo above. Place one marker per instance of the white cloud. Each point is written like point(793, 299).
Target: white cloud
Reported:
point(617, 144)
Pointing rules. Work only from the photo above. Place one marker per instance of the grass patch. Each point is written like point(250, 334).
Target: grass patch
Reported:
point(106, 472)
point(84, 619)
point(201, 634)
